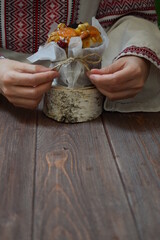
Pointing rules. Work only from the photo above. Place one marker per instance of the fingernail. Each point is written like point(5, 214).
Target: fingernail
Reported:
point(93, 77)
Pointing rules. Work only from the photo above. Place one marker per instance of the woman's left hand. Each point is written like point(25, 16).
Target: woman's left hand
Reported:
point(123, 79)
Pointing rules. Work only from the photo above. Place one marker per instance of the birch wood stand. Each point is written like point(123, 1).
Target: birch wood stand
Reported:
point(69, 105)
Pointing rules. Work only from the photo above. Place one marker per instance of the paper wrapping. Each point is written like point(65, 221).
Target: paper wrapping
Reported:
point(71, 74)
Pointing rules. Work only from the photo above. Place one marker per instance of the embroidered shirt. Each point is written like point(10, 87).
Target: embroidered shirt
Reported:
point(25, 24)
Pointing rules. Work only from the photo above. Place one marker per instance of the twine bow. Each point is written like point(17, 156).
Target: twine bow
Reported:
point(86, 60)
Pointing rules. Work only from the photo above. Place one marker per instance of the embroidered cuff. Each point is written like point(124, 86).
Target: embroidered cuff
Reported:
point(141, 52)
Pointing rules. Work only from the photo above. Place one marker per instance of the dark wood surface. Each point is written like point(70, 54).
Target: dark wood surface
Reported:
point(98, 180)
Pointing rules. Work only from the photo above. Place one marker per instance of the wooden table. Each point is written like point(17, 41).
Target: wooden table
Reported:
point(98, 180)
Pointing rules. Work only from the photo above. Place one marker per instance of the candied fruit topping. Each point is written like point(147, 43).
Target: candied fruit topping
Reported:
point(62, 43)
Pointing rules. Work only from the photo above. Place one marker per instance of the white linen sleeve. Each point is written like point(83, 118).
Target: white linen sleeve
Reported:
point(133, 36)
point(139, 37)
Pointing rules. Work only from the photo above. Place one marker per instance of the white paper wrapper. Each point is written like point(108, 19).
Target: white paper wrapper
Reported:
point(72, 74)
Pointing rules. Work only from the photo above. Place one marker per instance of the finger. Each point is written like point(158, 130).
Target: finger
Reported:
point(27, 79)
point(30, 68)
point(27, 92)
point(25, 103)
point(119, 95)
point(114, 67)
point(114, 88)
point(113, 81)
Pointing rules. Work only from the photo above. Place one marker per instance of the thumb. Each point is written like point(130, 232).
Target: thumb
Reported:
point(112, 68)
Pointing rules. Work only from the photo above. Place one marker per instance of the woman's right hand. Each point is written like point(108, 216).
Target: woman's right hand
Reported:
point(24, 84)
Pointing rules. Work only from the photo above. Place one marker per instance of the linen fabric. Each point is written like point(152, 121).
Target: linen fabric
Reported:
point(131, 26)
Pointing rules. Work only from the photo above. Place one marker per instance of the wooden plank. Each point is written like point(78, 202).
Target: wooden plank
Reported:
point(17, 154)
point(135, 141)
point(79, 194)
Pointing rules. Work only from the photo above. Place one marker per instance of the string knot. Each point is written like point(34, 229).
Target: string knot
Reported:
point(85, 60)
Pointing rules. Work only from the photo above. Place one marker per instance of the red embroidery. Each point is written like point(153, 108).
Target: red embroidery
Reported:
point(141, 51)
point(21, 25)
point(28, 22)
point(110, 11)
point(75, 9)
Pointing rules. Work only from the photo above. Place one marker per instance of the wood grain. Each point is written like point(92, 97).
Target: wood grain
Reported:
point(17, 154)
point(79, 194)
point(135, 142)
